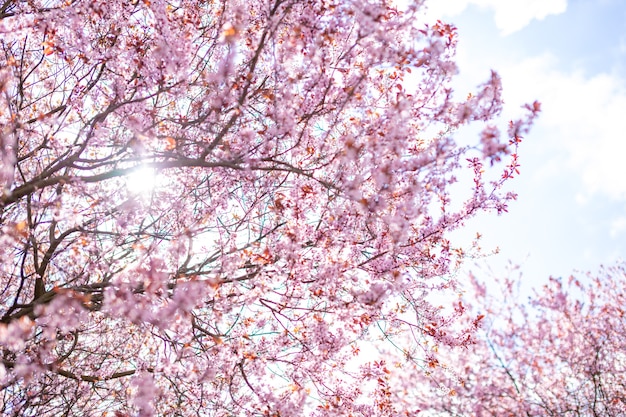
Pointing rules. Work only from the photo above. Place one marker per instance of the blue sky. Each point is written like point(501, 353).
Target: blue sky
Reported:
point(571, 56)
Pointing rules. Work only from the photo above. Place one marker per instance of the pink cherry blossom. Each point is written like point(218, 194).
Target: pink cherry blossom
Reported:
point(217, 207)
point(561, 352)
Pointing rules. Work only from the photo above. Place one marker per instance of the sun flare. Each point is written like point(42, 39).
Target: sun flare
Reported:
point(141, 181)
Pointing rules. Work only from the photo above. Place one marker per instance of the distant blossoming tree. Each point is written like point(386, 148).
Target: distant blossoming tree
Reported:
point(560, 353)
point(210, 207)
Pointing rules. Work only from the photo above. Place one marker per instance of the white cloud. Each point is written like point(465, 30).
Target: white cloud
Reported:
point(509, 15)
point(570, 213)
point(582, 120)
point(580, 136)
point(618, 226)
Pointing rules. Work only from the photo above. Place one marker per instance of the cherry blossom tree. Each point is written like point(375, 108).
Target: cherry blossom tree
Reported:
point(560, 353)
point(229, 208)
